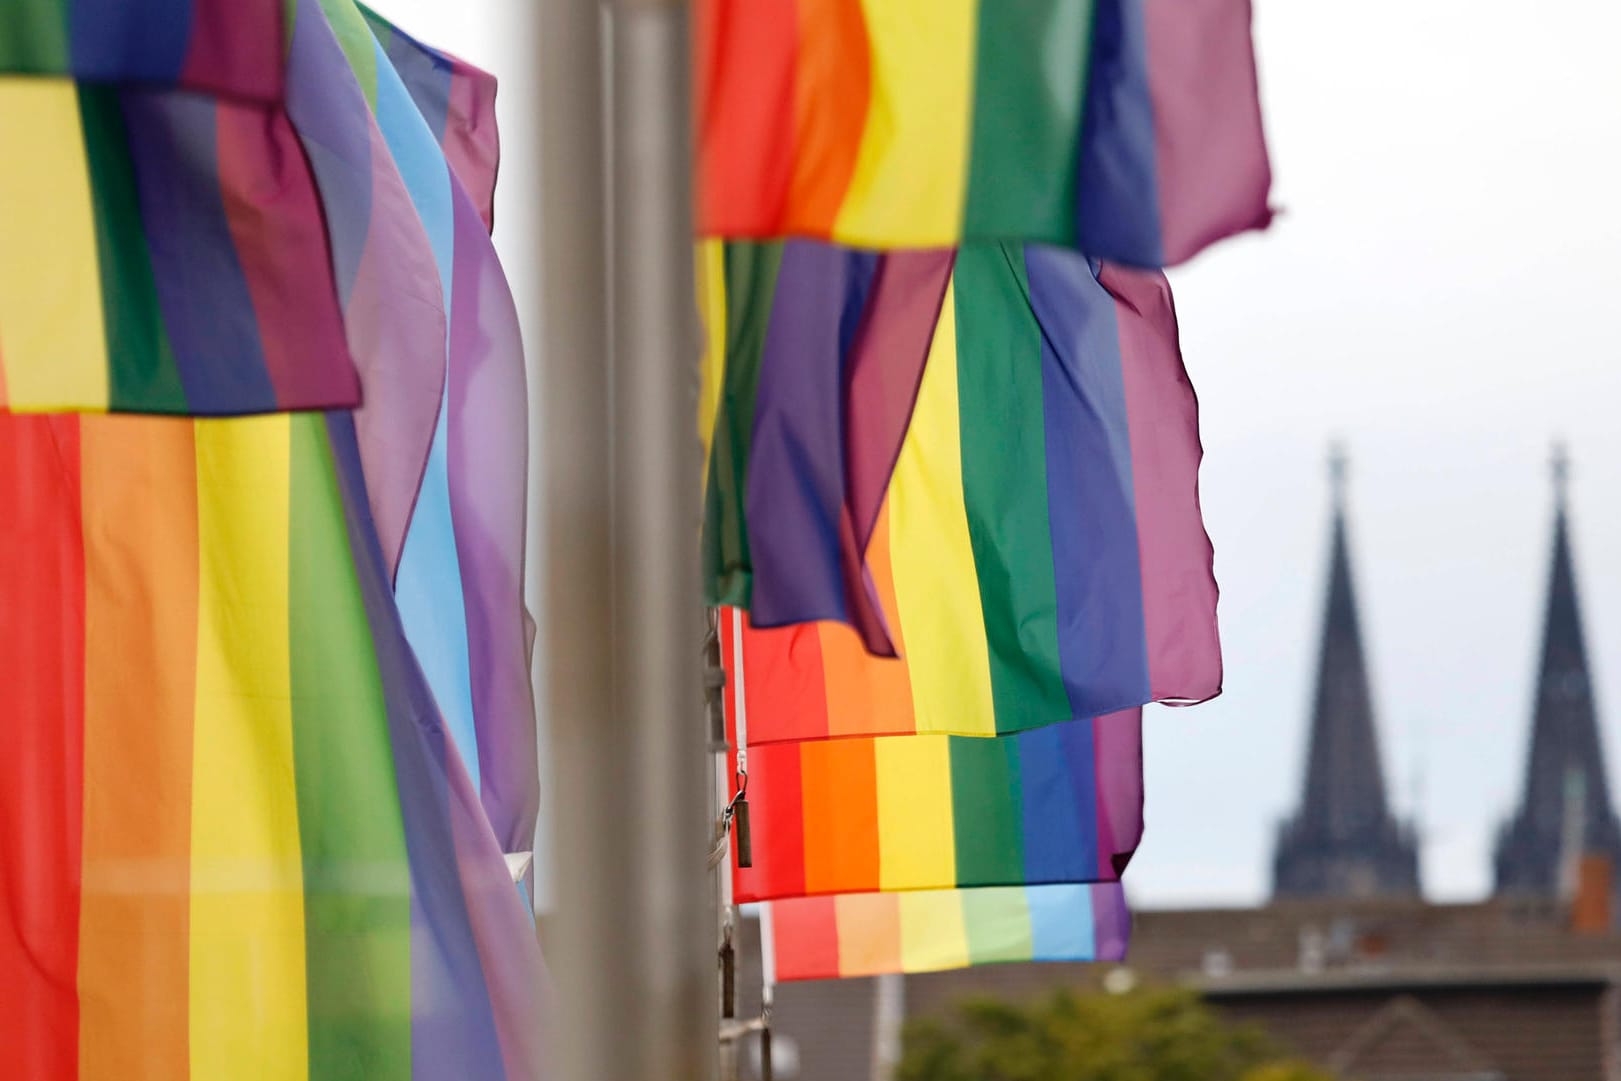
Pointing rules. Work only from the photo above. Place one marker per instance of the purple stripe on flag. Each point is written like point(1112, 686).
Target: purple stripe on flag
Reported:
point(1111, 920)
point(1117, 740)
point(201, 287)
point(1090, 495)
point(488, 456)
point(805, 566)
point(394, 307)
point(514, 972)
point(1179, 591)
point(453, 1027)
point(1213, 173)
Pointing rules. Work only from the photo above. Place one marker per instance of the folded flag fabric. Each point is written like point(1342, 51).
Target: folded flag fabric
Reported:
point(1130, 129)
point(394, 301)
point(813, 359)
point(459, 582)
point(892, 813)
point(874, 934)
point(230, 47)
point(161, 251)
point(1041, 556)
point(237, 840)
point(458, 102)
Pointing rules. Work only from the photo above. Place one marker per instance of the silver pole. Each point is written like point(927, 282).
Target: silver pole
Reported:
point(630, 944)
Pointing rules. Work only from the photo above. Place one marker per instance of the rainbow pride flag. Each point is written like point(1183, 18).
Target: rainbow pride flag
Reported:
point(1130, 129)
point(459, 581)
point(813, 359)
point(872, 934)
point(894, 813)
point(230, 47)
point(1041, 555)
point(394, 301)
point(162, 251)
point(238, 841)
point(458, 102)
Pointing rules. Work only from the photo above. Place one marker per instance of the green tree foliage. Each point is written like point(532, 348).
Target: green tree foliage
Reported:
point(1147, 1035)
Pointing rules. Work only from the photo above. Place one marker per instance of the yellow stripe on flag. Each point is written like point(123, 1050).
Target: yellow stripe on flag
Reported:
point(916, 841)
point(711, 276)
point(934, 935)
point(52, 339)
point(247, 912)
point(936, 586)
point(911, 174)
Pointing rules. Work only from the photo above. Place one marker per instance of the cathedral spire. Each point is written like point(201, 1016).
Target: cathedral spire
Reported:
point(1565, 747)
point(1343, 841)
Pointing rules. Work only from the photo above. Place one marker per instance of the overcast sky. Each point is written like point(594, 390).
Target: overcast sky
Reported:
point(1441, 293)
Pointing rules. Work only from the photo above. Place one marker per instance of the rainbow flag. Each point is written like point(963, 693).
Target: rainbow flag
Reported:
point(813, 359)
point(238, 843)
point(162, 251)
point(1041, 555)
point(458, 102)
point(871, 934)
point(1130, 129)
point(459, 581)
point(229, 47)
point(896, 813)
point(394, 302)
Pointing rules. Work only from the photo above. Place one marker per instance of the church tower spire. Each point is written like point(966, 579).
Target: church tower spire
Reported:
point(1567, 792)
point(1343, 842)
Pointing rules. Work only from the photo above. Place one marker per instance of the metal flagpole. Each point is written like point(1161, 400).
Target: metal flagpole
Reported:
point(630, 942)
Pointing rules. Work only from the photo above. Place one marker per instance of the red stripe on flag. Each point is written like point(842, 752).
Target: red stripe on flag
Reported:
point(806, 931)
point(41, 725)
point(747, 59)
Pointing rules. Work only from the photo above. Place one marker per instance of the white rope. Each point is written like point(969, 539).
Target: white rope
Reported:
point(768, 956)
point(740, 699)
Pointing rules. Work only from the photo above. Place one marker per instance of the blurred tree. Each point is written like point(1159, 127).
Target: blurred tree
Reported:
point(1145, 1035)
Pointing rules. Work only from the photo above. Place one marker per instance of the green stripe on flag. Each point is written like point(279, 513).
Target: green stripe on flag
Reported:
point(143, 375)
point(33, 37)
point(1004, 470)
point(751, 288)
point(987, 804)
point(999, 926)
point(1029, 88)
point(357, 876)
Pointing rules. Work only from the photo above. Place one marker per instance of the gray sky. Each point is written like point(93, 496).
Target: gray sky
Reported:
point(1440, 293)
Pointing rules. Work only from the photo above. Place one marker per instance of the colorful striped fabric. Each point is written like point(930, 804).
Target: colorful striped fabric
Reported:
point(161, 251)
point(231, 47)
point(459, 582)
point(813, 361)
point(872, 934)
point(1060, 804)
point(237, 841)
point(458, 102)
point(393, 300)
point(1041, 555)
point(1130, 129)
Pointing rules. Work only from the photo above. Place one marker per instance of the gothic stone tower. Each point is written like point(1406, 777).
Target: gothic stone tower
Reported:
point(1566, 803)
point(1343, 841)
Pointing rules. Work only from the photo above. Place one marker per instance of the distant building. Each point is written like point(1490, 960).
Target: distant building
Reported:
point(1565, 811)
point(1373, 990)
point(1343, 840)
